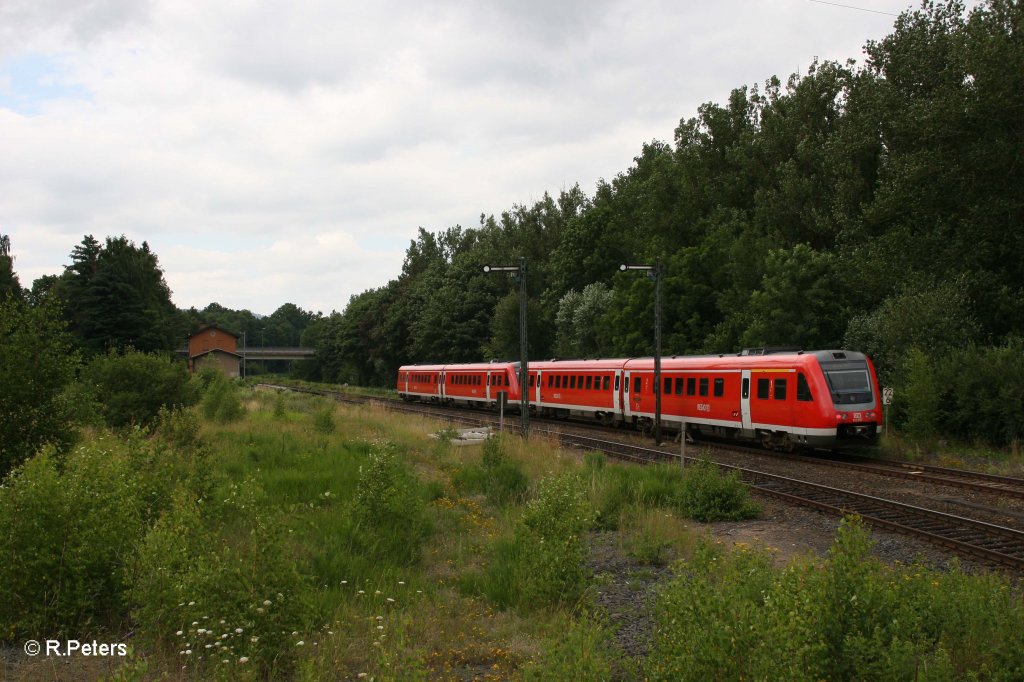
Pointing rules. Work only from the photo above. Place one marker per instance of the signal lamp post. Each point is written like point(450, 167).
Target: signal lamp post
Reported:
point(654, 271)
point(524, 396)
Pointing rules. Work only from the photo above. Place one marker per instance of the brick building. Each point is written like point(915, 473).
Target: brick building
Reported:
point(213, 346)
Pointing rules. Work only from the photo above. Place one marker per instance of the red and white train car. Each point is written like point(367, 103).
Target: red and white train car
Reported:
point(467, 384)
point(812, 398)
point(815, 398)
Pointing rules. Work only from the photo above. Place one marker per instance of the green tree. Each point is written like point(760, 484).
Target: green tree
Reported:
point(37, 364)
point(798, 303)
point(579, 321)
point(131, 387)
point(116, 297)
point(10, 287)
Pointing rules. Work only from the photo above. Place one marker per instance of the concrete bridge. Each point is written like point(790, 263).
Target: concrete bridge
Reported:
point(276, 353)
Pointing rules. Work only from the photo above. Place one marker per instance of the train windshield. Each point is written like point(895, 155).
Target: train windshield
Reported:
point(849, 386)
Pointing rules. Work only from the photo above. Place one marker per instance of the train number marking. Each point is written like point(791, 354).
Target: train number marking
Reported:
point(703, 407)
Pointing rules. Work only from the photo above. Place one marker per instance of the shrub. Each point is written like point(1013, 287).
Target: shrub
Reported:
point(323, 418)
point(736, 617)
point(133, 386)
point(586, 651)
point(279, 408)
point(708, 495)
point(543, 563)
point(37, 367)
point(218, 581)
point(498, 477)
point(388, 509)
point(178, 427)
point(220, 402)
point(618, 488)
point(67, 540)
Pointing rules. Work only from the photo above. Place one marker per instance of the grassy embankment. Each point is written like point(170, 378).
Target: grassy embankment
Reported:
point(298, 539)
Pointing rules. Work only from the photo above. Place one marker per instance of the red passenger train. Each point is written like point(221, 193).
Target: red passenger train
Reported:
point(785, 399)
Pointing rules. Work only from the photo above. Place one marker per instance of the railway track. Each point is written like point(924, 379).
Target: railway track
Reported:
point(976, 539)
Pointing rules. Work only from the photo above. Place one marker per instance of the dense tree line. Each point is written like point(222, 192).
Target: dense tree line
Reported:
point(97, 344)
point(875, 206)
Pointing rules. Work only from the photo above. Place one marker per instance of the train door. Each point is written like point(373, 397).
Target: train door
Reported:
point(627, 410)
point(745, 399)
point(487, 391)
point(442, 379)
point(536, 397)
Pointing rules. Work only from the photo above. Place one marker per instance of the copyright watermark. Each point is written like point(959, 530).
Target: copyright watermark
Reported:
point(74, 647)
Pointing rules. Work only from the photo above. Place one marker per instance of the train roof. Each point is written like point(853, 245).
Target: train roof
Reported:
point(723, 361)
point(464, 367)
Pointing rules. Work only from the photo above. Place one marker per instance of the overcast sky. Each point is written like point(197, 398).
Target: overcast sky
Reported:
point(288, 152)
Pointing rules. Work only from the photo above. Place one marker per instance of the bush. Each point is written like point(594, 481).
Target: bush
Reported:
point(735, 616)
point(323, 418)
point(708, 495)
point(37, 367)
point(220, 402)
point(178, 427)
point(218, 581)
point(279, 409)
point(388, 510)
point(617, 488)
point(974, 394)
point(543, 563)
point(133, 386)
point(499, 478)
point(67, 541)
point(586, 651)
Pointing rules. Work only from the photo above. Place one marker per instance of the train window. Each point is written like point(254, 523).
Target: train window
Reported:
point(719, 387)
point(762, 389)
point(590, 382)
point(803, 391)
point(489, 380)
point(704, 386)
point(679, 386)
point(780, 389)
point(636, 384)
point(580, 382)
point(691, 386)
point(668, 385)
point(605, 383)
point(746, 388)
point(551, 381)
point(572, 381)
point(533, 380)
point(616, 382)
